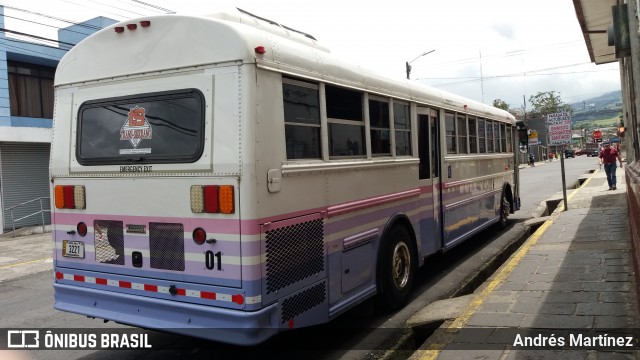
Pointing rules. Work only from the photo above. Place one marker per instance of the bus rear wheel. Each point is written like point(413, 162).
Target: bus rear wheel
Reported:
point(505, 210)
point(397, 269)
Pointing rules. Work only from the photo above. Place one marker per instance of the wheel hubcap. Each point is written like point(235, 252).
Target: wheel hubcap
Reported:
point(401, 265)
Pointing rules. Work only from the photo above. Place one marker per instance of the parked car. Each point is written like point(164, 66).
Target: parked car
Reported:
point(569, 153)
point(595, 153)
point(581, 152)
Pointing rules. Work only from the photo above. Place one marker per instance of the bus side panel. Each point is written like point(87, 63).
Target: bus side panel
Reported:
point(472, 194)
point(426, 233)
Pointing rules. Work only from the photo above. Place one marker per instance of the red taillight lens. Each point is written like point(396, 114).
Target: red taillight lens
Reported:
point(211, 199)
point(145, 23)
point(82, 229)
point(260, 50)
point(132, 26)
point(119, 29)
point(69, 202)
point(199, 236)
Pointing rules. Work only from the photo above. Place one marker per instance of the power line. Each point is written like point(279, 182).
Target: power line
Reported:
point(146, 7)
point(168, 11)
point(512, 53)
point(47, 25)
point(53, 17)
point(35, 37)
point(105, 11)
point(8, 46)
point(471, 79)
point(91, 28)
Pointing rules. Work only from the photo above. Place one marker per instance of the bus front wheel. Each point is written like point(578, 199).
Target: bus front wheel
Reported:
point(397, 268)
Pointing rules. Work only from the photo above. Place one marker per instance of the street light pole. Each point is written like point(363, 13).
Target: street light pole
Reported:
point(408, 63)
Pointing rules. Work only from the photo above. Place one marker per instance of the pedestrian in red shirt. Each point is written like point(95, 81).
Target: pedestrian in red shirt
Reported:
point(607, 157)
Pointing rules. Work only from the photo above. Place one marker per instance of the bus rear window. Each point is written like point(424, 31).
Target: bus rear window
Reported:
point(166, 127)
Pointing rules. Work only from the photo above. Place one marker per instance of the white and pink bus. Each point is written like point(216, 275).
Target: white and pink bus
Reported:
point(228, 178)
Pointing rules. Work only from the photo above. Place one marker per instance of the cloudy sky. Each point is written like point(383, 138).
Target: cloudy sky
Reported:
point(485, 50)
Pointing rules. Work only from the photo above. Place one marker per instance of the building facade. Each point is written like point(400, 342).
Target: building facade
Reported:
point(27, 70)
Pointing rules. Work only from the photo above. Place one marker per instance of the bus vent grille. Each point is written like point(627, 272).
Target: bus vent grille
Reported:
point(109, 242)
point(294, 253)
point(166, 244)
point(303, 301)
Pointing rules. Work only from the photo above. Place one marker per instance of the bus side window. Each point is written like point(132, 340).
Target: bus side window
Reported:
point(473, 136)
point(301, 119)
point(402, 128)
point(424, 146)
point(482, 144)
point(380, 129)
point(462, 134)
point(489, 128)
point(345, 122)
point(450, 131)
point(503, 138)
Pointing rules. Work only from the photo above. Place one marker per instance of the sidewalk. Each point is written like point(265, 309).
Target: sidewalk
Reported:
point(27, 253)
point(572, 281)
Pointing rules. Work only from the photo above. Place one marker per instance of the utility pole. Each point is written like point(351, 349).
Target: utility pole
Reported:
point(481, 77)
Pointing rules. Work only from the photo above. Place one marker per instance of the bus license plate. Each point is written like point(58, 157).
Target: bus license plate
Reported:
point(74, 249)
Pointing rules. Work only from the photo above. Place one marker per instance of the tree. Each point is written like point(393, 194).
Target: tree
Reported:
point(501, 104)
point(547, 102)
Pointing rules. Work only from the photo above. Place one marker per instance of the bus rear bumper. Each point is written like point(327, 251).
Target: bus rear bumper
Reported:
point(211, 323)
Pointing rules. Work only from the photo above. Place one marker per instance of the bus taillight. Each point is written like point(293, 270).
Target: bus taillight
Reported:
point(69, 197)
point(82, 229)
point(212, 199)
point(199, 236)
point(225, 198)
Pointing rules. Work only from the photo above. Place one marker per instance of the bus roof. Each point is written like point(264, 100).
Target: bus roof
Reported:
point(174, 41)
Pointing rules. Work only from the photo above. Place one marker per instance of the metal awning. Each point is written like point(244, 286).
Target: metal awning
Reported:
point(595, 17)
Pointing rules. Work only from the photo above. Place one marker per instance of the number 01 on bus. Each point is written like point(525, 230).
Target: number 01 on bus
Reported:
point(235, 179)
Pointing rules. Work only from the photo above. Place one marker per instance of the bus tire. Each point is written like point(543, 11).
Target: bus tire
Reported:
point(397, 268)
point(505, 210)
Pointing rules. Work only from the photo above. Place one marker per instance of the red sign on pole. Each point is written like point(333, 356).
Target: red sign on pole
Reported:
point(559, 128)
point(597, 134)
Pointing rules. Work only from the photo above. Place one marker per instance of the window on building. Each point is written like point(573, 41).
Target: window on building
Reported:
point(450, 132)
point(402, 128)
point(301, 119)
point(462, 134)
point(345, 122)
point(31, 90)
point(379, 126)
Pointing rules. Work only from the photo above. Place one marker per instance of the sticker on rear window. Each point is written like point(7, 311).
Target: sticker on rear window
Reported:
point(135, 129)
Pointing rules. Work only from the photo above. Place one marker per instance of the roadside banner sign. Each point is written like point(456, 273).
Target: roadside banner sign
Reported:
point(533, 137)
point(559, 128)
